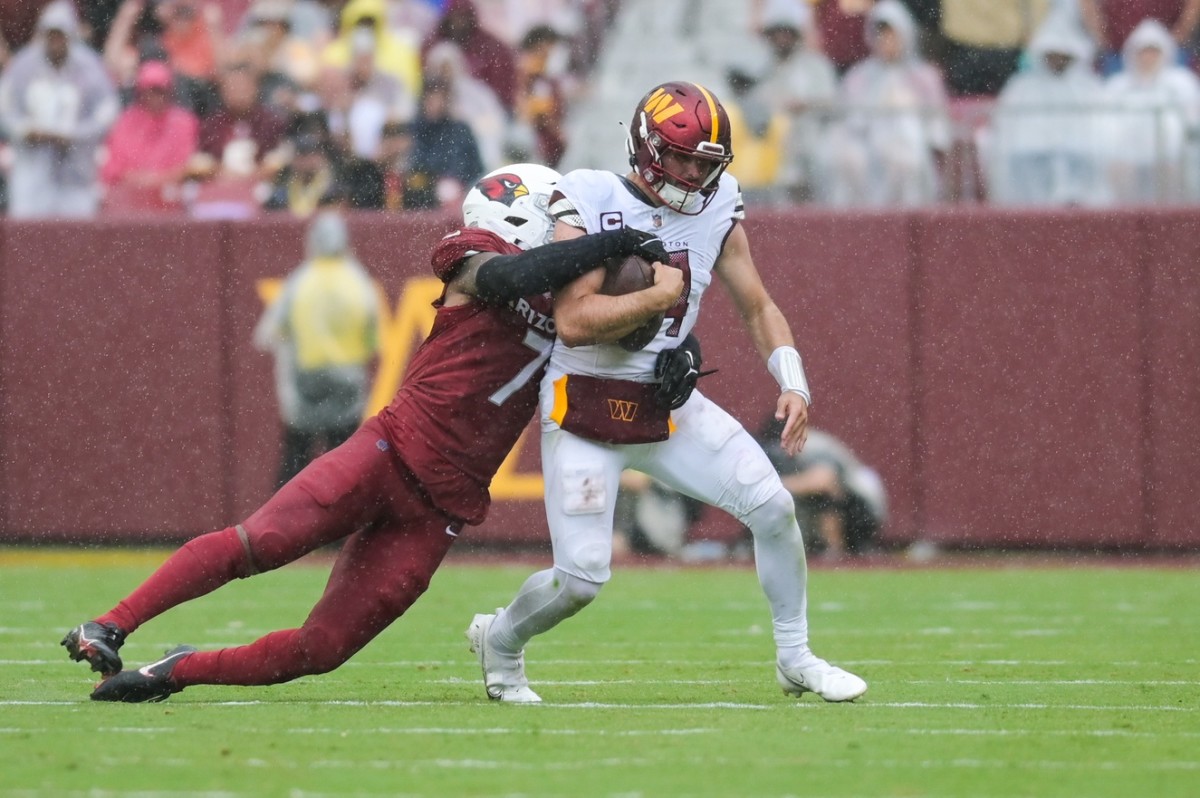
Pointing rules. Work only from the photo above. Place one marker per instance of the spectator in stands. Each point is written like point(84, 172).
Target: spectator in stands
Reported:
point(375, 98)
point(472, 101)
point(395, 168)
point(309, 175)
point(314, 168)
point(122, 47)
point(417, 18)
point(364, 29)
point(444, 150)
point(1042, 147)
point(801, 83)
point(18, 21)
point(315, 21)
point(488, 58)
point(359, 101)
point(56, 104)
point(237, 138)
point(839, 30)
point(510, 20)
point(96, 16)
point(150, 145)
point(287, 65)
point(758, 129)
point(323, 329)
point(894, 120)
point(841, 502)
point(192, 35)
point(359, 179)
point(134, 38)
point(1110, 22)
point(984, 40)
point(1155, 117)
point(541, 104)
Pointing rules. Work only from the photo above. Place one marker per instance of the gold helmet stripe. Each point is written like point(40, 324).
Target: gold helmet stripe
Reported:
point(712, 112)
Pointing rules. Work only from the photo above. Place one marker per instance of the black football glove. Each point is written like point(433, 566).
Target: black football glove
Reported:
point(644, 245)
point(677, 371)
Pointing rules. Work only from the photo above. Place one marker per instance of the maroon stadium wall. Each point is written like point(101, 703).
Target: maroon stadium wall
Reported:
point(1019, 379)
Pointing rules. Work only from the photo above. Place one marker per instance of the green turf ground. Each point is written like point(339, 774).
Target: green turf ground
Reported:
point(1003, 681)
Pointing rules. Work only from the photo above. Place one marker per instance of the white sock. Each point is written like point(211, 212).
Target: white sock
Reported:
point(782, 569)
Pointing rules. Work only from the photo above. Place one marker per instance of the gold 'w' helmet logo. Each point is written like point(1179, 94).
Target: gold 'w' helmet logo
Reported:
point(661, 106)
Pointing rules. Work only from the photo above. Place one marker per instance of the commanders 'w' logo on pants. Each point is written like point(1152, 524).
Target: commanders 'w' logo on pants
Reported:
point(622, 410)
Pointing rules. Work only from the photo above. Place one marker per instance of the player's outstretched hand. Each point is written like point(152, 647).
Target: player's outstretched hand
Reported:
point(645, 245)
point(792, 407)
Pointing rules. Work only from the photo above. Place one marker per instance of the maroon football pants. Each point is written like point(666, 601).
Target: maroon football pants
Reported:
point(394, 541)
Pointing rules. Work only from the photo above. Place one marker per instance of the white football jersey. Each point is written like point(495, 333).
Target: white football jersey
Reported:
point(608, 201)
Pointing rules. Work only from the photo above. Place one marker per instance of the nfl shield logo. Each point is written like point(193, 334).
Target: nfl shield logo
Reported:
point(657, 218)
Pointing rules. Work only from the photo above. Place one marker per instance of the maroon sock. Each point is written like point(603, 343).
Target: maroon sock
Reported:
point(265, 661)
point(199, 567)
point(274, 658)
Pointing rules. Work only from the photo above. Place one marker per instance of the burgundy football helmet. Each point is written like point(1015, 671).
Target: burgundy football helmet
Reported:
point(686, 119)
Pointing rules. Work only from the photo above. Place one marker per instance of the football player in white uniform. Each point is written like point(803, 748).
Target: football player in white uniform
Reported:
point(599, 409)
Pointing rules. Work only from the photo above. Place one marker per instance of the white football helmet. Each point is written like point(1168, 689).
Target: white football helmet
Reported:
point(514, 203)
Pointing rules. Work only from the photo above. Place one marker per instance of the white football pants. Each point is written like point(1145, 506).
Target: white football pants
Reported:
point(710, 457)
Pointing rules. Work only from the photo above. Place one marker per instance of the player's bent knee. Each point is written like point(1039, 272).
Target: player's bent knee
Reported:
point(593, 561)
point(269, 550)
point(775, 516)
point(398, 596)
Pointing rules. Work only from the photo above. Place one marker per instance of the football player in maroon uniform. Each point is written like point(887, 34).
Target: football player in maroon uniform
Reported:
point(400, 490)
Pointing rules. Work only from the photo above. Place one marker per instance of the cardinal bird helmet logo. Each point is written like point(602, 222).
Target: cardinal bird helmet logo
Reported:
point(504, 188)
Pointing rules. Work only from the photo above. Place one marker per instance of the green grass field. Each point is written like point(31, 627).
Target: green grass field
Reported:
point(1000, 681)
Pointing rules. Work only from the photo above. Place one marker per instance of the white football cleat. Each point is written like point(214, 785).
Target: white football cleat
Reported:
point(504, 682)
point(828, 681)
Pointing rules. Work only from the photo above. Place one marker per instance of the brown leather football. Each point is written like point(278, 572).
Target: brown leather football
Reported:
point(624, 276)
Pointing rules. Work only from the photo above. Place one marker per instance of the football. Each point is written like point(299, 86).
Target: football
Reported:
point(624, 276)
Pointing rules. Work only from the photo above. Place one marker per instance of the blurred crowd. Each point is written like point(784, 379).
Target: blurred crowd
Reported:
point(140, 105)
point(884, 103)
point(224, 109)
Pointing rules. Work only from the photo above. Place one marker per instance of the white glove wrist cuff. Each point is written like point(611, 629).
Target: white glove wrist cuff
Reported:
point(788, 370)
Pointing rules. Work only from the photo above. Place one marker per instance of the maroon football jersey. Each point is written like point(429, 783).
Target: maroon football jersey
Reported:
point(471, 387)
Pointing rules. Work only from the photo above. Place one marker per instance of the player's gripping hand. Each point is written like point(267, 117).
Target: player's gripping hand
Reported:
point(644, 245)
point(677, 371)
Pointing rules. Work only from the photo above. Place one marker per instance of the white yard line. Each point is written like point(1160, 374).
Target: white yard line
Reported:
point(865, 705)
point(502, 731)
